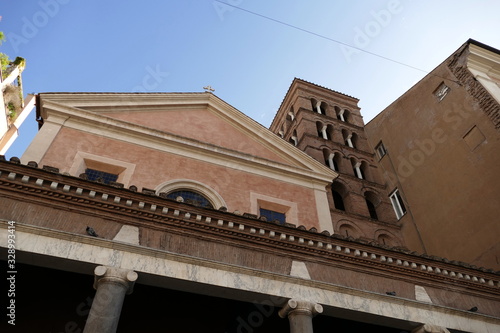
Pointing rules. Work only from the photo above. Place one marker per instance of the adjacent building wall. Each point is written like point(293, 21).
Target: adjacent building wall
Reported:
point(445, 164)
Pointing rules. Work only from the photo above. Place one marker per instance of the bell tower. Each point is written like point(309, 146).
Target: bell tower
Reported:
point(328, 126)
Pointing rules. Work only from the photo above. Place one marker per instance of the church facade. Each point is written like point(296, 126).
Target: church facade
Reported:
point(176, 212)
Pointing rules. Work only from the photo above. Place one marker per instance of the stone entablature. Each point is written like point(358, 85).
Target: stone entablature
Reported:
point(244, 229)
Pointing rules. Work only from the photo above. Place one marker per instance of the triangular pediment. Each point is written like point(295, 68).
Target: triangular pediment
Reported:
point(204, 124)
point(200, 121)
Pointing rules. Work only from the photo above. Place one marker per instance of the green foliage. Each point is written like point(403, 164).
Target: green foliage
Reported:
point(4, 59)
point(20, 62)
point(12, 111)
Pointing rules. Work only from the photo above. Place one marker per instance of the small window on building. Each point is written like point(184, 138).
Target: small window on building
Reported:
point(191, 197)
point(95, 175)
point(381, 151)
point(272, 215)
point(441, 91)
point(397, 204)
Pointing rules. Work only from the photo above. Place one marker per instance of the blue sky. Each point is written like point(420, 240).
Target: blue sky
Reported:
point(250, 60)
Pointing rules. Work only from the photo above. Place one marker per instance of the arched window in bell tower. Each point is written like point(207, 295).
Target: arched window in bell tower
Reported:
point(340, 196)
point(322, 133)
point(347, 138)
point(372, 201)
point(314, 103)
point(293, 139)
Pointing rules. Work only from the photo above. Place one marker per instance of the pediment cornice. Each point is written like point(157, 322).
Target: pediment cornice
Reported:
point(87, 112)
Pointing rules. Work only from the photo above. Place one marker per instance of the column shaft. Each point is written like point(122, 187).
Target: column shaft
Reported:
point(111, 286)
point(300, 323)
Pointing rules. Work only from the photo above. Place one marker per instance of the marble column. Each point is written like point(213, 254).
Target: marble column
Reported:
point(300, 314)
point(430, 329)
point(111, 284)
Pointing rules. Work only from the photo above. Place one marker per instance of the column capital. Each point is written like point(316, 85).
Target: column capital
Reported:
point(297, 306)
point(123, 277)
point(427, 328)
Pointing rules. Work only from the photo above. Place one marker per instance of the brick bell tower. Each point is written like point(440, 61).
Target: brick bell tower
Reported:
point(328, 126)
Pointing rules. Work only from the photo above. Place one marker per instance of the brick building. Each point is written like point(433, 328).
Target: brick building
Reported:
point(328, 126)
point(176, 212)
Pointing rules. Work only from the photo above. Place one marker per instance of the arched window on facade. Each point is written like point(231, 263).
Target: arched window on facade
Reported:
point(191, 197)
point(192, 192)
